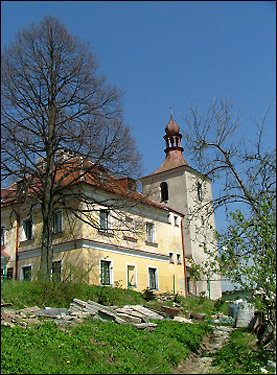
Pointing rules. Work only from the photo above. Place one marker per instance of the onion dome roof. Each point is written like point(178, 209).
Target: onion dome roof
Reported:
point(172, 128)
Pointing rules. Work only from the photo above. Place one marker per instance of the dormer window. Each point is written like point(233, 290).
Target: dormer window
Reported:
point(150, 232)
point(27, 229)
point(199, 191)
point(164, 192)
point(105, 224)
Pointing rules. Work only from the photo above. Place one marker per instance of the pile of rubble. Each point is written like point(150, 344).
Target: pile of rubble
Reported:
point(24, 317)
point(136, 315)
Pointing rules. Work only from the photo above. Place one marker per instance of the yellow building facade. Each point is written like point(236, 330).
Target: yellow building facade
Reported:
point(139, 246)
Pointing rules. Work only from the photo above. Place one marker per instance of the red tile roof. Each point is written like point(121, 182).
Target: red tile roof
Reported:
point(71, 174)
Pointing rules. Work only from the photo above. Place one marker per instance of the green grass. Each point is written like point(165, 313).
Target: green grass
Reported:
point(96, 347)
point(55, 294)
point(241, 355)
point(61, 294)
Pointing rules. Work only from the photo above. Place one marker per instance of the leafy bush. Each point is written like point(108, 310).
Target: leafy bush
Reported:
point(148, 294)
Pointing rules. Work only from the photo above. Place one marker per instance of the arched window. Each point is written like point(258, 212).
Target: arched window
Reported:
point(199, 191)
point(164, 192)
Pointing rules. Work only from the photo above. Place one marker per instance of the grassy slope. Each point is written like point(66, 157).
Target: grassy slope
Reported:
point(96, 347)
point(241, 355)
point(103, 347)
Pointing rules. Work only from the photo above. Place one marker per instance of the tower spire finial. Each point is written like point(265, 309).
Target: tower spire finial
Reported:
point(171, 116)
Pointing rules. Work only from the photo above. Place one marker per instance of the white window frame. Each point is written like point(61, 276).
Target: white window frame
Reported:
point(156, 277)
point(21, 271)
point(153, 234)
point(23, 232)
point(169, 218)
point(179, 258)
point(135, 273)
point(3, 235)
point(111, 272)
point(171, 257)
point(58, 212)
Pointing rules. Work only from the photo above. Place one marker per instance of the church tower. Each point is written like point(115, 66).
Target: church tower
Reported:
point(177, 185)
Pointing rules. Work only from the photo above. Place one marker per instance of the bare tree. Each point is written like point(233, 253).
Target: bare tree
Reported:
point(245, 170)
point(247, 173)
point(61, 123)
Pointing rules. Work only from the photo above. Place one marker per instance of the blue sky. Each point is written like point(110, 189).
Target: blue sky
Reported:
point(171, 54)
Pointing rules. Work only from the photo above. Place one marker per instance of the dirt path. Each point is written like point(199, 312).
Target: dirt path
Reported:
point(200, 363)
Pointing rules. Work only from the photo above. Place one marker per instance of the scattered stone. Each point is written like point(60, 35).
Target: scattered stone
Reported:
point(171, 311)
point(129, 318)
point(136, 315)
point(182, 319)
point(147, 326)
point(198, 316)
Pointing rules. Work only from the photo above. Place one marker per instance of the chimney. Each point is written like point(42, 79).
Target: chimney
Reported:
point(127, 183)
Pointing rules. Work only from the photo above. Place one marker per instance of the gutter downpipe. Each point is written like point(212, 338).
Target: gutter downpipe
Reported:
point(184, 260)
point(17, 245)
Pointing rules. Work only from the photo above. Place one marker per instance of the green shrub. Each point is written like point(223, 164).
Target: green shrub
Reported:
point(148, 294)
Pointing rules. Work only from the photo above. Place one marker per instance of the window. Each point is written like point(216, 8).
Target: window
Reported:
point(176, 221)
point(26, 273)
point(3, 236)
point(153, 278)
point(9, 273)
point(171, 257)
point(105, 221)
point(105, 275)
point(169, 218)
point(150, 232)
point(57, 270)
point(179, 260)
point(199, 191)
point(27, 232)
point(130, 227)
point(164, 192)
point(57, 222)
point(131, 276)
